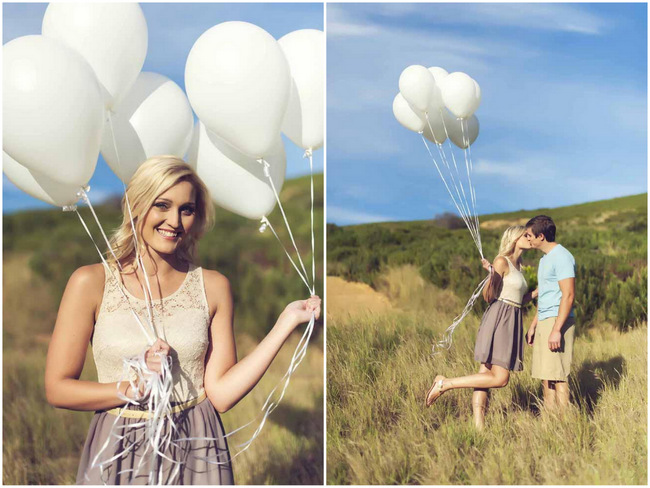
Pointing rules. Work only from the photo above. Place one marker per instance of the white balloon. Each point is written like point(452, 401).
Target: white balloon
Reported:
point(434, 129)
point(236, 181)
point(416, 84)
point(461, 94)
point(238, 83)
point(436, 103)
point(438, 73)
point(112, 37)
point(304, 119)
point(154, 119)
point(53, 110)
point(38, 185)
point(406, 116)
point(470, 127)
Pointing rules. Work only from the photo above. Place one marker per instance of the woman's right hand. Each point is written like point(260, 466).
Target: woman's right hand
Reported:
point(530, 335)
point(153, 356)
point(156, 354)
point(486, 264)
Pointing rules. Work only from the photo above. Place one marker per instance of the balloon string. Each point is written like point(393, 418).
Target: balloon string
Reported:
point(101, 255)
point(84, 197)
point(147, 293)
point(446, 341)
point(308, 153)
point(266, 223)
point(475, 224)
point(269, 406)
point(267, 173)
point(449, 190)
point(453, 157)
point(465, 133)
point(464, 206)
point(462, 201)
point(471, 167)
point(443, 157)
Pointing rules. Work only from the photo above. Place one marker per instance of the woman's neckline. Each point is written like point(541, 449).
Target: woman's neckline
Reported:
point(190, 268)
point(512, 264)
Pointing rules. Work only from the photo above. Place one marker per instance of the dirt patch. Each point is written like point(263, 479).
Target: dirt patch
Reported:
point(345, 298)
point(604, 216)
point(502, 224)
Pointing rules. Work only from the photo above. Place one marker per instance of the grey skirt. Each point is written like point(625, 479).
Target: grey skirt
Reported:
point(500, 338)
point(198, 457)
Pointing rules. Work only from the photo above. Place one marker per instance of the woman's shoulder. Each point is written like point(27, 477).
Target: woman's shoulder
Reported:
point(88, 282)
point(216, 283)
point(501, 264)
point(91, 275)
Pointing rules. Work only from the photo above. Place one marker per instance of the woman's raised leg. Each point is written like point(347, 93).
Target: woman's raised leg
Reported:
point(494, 377)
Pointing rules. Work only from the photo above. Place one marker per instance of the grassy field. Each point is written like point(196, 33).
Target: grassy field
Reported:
point(41, 444)
point(410, 279)
point(379, 369)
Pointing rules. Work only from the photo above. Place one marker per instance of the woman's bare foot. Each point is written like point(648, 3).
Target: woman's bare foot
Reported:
point(435, 391)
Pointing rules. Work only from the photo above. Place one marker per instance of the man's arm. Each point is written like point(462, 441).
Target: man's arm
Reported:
point(567, 287)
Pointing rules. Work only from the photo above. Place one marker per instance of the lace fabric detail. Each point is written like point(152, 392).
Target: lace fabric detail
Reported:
point(182, 319)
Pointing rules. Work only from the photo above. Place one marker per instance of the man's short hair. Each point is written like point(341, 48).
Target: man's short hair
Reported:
point(542, 224)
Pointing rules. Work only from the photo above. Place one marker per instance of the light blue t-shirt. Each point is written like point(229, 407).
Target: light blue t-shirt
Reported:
point(555, 266)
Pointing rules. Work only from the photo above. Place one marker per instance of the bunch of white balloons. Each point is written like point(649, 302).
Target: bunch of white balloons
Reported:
point(247, 88)
point(78, 88)
point(436, 104)
point(440, 106)
point(58, 88)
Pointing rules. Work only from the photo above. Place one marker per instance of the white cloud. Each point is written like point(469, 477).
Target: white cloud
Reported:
point(538, 16)
point(344, 216)
point(343, 29)
point(510, 170)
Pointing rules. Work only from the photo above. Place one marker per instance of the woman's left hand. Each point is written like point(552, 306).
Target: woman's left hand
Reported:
point(300, 311)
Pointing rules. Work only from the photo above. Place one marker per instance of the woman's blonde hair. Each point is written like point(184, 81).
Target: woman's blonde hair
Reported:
point(154, 177)
point(507, 248)
point(510, 237)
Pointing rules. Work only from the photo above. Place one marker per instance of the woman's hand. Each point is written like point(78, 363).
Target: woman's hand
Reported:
point(530, 335)
point(535, 293)
point(156, 354)
point(486, 265)
point(300, 311)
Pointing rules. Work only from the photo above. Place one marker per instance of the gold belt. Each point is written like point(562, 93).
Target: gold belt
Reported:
point(510, 302)
point(145, 414)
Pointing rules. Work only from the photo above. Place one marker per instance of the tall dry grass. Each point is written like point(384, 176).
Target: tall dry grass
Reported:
point(41, 444)
point(378, 431)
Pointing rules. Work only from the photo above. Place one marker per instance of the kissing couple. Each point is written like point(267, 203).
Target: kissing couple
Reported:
point(500, 339)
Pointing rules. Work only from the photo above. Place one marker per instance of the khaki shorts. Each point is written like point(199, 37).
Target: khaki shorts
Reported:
point(552, 365)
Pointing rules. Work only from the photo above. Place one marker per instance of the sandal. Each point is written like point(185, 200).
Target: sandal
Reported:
point(436, 389)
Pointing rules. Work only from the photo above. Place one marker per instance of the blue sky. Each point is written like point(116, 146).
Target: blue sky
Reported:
point(173, 29)
point(563, 114)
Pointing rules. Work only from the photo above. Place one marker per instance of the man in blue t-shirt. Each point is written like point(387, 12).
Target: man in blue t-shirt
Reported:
point(552, 331)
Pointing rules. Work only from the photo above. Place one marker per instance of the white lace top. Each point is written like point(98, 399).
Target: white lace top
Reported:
point(182, 319)
point(514, 285)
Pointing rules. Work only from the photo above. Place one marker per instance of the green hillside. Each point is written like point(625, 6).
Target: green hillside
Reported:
point(607, 238)
point(261, 276)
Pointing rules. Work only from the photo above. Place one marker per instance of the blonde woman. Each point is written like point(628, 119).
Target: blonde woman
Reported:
point(193, 317)
point(500, 339)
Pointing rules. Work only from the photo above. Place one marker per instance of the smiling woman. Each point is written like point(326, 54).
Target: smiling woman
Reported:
point(151, 272)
